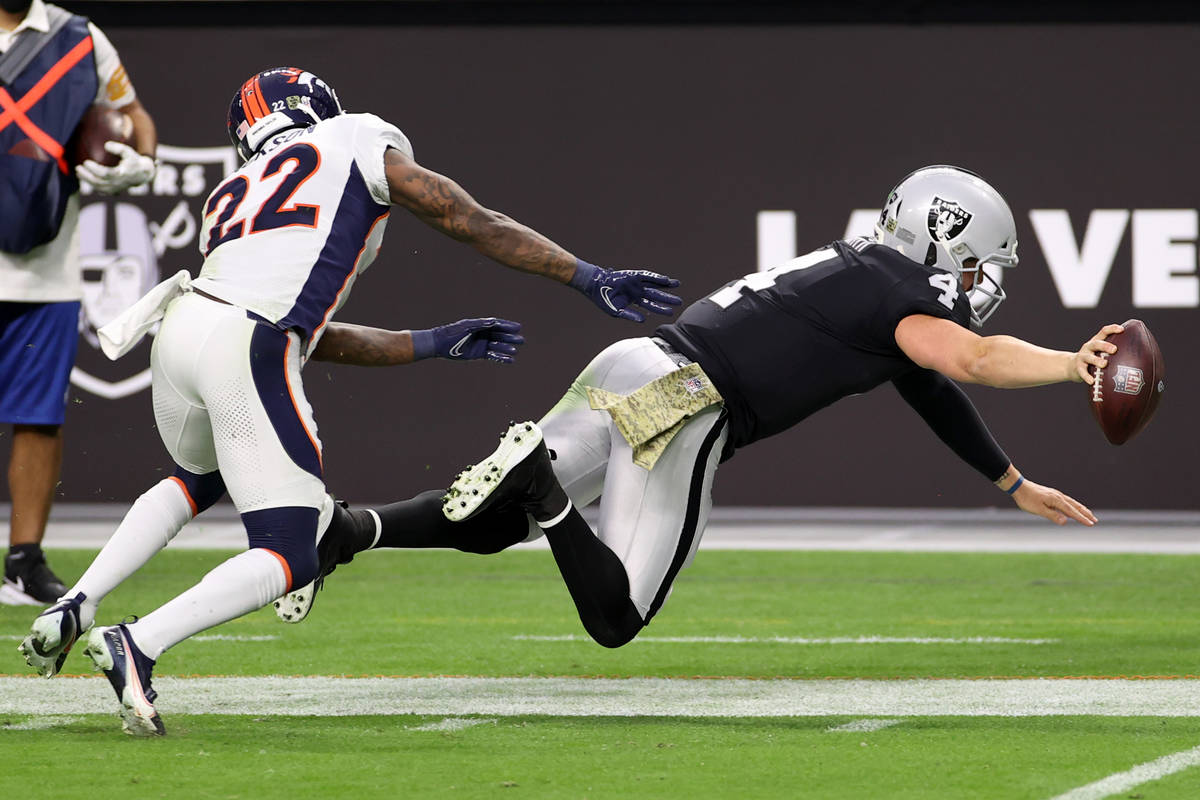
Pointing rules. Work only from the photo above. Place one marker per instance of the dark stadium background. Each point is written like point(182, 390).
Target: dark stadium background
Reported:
point(650, 135)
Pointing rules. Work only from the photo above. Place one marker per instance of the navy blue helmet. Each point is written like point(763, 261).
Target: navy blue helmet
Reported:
point(275, 100)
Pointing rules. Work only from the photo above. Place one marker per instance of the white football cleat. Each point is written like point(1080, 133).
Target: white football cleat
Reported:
point(113, 652)
point(51, 636)
point(518, 471)
point(294, 606)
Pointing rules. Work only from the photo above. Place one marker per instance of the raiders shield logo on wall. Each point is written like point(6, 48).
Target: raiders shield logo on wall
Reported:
point(947, 219)
point(126, 242)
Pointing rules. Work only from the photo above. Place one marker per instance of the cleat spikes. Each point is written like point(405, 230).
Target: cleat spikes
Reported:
point(493, 477)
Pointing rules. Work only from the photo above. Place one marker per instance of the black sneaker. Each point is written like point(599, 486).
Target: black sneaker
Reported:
point(336, 546)
point(28, 581)
point(519, 471)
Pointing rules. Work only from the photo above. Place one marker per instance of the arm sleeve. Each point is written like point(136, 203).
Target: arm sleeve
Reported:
point(948, 411)
point(372, 138)
point(115, 89)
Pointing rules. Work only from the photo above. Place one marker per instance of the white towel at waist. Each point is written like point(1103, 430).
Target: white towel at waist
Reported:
point(122, 334)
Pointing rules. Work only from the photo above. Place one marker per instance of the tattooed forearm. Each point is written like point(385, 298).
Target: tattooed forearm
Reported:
point(517, 246)
point(443, 204)
point(361, 346)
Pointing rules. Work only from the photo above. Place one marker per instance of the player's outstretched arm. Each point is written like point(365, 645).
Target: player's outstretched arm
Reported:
point(1044, 501)
point(466, 340)
point(444, 205)
point(1004, 362)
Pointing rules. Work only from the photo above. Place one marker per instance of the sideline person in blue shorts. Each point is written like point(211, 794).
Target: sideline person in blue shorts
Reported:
point(54, 66)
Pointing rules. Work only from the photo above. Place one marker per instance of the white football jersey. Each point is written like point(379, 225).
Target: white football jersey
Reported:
point(287, 234)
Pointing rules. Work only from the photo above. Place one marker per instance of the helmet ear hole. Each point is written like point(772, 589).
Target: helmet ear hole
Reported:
point(931, 255)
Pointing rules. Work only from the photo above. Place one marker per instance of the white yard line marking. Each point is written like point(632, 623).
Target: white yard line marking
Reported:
point(608, 697)
point(864, 726)
point(1142, 773)
point(211, 637)
point(452, 724)
point(38, 724)
point(575, 637)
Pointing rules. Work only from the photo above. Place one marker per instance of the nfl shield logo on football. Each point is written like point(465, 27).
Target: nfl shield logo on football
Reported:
point(1128, 380)
point(126, 243)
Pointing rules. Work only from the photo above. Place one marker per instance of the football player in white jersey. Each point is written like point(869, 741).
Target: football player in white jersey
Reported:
point(284, 239)
point(645, 424)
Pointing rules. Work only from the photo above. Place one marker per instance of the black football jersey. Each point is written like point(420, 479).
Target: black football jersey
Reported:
point(784, 343)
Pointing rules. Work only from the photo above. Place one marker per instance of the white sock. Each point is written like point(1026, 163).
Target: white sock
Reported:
point(244, 583)
point(378, 527)
point(557, 518)
point(151, 522)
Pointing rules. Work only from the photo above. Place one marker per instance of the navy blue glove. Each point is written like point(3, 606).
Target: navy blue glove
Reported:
point(619, 291)
point(490, 338)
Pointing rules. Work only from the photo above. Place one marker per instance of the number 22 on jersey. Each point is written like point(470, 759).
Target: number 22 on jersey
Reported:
point(272, 212)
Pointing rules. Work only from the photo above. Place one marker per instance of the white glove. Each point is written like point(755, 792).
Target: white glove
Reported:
point(134, 169)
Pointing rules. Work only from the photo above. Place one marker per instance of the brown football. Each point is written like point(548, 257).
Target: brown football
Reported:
point(100, 124)
point(1127, 391)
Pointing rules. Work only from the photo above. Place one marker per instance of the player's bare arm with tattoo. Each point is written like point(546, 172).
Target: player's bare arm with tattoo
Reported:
point(468, 339)
point(444, 205)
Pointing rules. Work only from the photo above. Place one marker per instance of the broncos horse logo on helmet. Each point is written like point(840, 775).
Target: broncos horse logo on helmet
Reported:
point(275, 100)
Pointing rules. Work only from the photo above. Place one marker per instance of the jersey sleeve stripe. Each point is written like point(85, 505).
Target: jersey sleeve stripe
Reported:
point(356, 217)
point(338, 297)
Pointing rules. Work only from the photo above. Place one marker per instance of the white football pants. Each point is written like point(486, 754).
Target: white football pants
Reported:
point(228, 395)
point(652, 519)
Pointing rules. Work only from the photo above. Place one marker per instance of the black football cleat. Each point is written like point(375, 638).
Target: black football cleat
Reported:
point(336, 546)
point(518, 472)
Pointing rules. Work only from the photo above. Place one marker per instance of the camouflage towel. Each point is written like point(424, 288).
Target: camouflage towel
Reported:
point(650, 417)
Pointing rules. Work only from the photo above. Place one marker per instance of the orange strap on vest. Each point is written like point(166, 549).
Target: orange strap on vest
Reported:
point(14, 111)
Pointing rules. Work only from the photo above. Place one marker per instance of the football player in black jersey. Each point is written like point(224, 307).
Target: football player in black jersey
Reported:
point(645, 424)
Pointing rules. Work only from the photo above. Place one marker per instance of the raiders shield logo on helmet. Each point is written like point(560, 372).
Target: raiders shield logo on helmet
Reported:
point(947, 219)
point(123, 240)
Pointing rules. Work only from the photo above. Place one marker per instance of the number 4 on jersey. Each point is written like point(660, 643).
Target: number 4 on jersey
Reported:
point(757, 281)
point(949, 286)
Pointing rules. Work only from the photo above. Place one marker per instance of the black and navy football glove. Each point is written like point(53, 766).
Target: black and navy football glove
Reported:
point(469, 339)
point(620, 293)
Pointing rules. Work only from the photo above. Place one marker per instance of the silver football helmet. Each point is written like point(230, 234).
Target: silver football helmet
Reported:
point(942, 217)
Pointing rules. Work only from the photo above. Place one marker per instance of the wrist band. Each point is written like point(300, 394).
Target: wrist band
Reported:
point(422, 344)
point(1015, 485)
point(583, 275)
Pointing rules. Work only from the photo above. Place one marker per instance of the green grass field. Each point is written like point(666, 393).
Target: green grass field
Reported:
point(733, 614)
